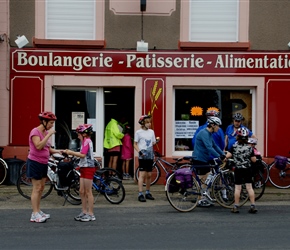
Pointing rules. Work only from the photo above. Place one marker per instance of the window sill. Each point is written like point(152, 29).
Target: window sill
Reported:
point(79, 44)
point(214, 46)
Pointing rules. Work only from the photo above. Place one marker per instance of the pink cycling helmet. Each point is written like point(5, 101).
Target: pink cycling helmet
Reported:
point(46, 115)
point(142, 119)
point(85, 128)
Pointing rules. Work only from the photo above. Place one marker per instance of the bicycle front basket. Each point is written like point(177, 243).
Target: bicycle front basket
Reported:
point(281, 162)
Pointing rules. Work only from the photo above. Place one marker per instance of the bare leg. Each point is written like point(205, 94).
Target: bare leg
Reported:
point(251, 193)
point(37, 189)
point(141, 180)
point(238, 189)
point(89, 195)
point(83, 195)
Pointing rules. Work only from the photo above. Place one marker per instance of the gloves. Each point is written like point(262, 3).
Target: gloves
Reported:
point(222, 157)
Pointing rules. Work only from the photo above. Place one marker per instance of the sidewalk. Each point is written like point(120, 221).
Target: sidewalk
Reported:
point(11, 199)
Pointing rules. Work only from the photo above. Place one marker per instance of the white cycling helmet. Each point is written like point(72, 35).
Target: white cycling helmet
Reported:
point(214, 120)
point(253, 141)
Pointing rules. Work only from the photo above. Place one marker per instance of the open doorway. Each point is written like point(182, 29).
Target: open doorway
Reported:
point(119, 104)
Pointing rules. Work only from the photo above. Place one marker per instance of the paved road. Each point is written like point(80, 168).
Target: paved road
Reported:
point(151, 225)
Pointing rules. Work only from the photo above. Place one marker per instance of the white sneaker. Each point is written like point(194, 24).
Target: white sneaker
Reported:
point(47, 216)
point(37, 217)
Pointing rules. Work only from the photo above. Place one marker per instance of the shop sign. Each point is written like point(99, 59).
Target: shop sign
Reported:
point(129, 62)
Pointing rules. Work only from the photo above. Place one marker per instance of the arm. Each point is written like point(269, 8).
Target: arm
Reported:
point(40, 144)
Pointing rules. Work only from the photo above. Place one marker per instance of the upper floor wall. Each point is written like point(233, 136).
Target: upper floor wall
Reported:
point(260, 25)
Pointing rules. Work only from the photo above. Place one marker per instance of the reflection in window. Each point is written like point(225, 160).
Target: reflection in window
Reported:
point(192, 104)
point(73, 107)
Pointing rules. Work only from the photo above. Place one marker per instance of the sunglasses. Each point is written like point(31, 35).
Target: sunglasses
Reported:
point(237, 120)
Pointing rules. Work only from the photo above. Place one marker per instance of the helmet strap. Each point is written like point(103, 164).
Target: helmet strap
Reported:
point(43, 124)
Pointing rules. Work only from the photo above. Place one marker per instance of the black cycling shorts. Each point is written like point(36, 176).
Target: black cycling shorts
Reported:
point(145, 165)
point(243, 175)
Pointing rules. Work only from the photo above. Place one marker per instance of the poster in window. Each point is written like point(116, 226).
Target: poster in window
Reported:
point(77, 118)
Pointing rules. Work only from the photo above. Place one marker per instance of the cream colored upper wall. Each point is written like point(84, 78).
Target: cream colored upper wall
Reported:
point(256, 83)
point(4, 73)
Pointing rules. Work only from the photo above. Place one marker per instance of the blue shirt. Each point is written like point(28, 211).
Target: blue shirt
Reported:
point(218, 137)
point(205, 147)
point(231, 133)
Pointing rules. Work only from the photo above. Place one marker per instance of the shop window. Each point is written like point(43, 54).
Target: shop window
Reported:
point(72, 108)
point(192, 104)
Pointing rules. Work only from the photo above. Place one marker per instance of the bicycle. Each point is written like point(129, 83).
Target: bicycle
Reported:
point(24, 183)
point(186, 199)
point(158, 164)
point(3, 167)
point(111, 187)
point(279, 171)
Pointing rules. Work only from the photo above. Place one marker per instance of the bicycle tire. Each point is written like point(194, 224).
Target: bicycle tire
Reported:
point(265, 171)
point(259, 185)
point(24, 186)
point(280, 178)
point(74, 189)
point(183, 200)
point(3, 171)
point(155, 174)
point(114, 191)
point(227, 183)
point(111, 173)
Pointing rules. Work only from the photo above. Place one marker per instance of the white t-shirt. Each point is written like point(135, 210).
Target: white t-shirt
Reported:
point(145, 140)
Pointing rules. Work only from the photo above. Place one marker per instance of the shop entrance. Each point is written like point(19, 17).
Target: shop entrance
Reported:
point(119, 104)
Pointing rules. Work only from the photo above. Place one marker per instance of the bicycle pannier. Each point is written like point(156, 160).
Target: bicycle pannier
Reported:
point(65, 174)
point(281, 162)
point(173, 186)
point(183, 177)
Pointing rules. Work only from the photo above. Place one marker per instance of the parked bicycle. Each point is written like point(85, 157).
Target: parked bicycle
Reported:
point(220, 189)
point(160, 163)
point(279, 171)
point(111, 187)
point(24, 184)
point(3, 167)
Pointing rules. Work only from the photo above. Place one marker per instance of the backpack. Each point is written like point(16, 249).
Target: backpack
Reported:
point(183, 177)
point(281, 162)
point(65, 174)
point(173, 186)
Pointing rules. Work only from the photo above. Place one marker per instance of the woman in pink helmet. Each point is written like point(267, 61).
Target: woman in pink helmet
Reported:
point(39, 152)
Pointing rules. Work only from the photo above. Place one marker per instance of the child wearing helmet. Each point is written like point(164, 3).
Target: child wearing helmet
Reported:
point(87, 170)
point(39, 152)
point(144, 141)
point(243, 156)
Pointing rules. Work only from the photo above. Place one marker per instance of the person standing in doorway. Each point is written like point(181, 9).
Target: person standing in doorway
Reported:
point(87, 170)
point(127, 152)
point(39, 152)
point(112, 142)
point(143, 143)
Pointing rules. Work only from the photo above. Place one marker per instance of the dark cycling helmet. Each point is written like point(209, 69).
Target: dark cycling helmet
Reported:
point(46, 115)
point(84, 128)
point(253, 141)
point(142, 119)
point(243, 133)
point(238, 117)
point(214, 120)
point(212, 113)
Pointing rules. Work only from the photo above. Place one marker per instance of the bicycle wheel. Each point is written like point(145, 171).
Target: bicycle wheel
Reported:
point(280, 178)
point(114, 191)
point(265, 171)
point(183, 200)
point(155, 174)
point(223, 190)
point(3, 170)
point(24, 186)
point(259, 185)
point(74, 189)
point(110, 172)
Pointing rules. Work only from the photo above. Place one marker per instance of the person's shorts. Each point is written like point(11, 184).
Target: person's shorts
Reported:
point(36, 170)
point(243, 175)
point(201, 170)
point(87, 172)
point(145, 165)
point(115, 151)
